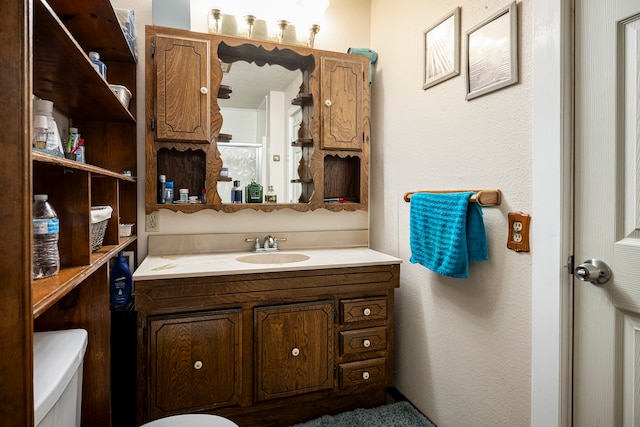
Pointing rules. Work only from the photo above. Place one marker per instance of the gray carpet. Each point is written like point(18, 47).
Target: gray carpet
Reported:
point(400, 414)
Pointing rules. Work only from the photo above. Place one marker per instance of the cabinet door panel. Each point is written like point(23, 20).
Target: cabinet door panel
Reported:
point(294, 346)
point(195, 362)
point(342, 99)
point(182, 93)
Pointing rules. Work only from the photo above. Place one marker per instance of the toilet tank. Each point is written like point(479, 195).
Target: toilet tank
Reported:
point(57, 377)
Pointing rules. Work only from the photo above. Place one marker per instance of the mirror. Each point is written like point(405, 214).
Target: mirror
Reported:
point(260, 122)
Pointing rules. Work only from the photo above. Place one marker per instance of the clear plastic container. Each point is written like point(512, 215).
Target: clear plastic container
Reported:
point(46, 230)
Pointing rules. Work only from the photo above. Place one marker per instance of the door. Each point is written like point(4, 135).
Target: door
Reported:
point(294, 349)
point(606, 353)
point(342, 94)
point(182, 89)
point(194, 362)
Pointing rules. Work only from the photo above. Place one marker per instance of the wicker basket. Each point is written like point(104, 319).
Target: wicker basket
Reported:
point(99, 218)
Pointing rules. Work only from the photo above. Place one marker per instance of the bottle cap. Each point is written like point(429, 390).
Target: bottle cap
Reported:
point(94, 56)
point(42, 197)
point(163, 178)
point(40, 122)
point(236, 183)
point(73, 130)
point(169, 184)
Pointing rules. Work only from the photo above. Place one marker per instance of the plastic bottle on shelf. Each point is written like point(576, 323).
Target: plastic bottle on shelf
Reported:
point(44, 108)
point(162, 189)
point(236, 192)
point(121, 282)
point(168, 192)
point(97, 64)
point(271, 196)
point(46, 230)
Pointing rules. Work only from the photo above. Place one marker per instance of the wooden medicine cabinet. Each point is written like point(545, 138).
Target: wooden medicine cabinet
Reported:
point(222, 109)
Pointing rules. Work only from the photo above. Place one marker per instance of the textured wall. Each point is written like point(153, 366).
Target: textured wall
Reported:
point(463, 345)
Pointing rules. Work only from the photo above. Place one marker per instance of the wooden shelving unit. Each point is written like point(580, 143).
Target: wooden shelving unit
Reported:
point(63, 33)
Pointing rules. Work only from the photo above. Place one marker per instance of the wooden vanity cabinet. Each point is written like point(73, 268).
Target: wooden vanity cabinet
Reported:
point(264, 349)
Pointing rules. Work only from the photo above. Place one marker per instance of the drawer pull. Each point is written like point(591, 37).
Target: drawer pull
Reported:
point(295, 352)
point(366, 343)
point(198, 364)
point(327, 102)
point(365, 375)
point(367, 312)
point(204, 90)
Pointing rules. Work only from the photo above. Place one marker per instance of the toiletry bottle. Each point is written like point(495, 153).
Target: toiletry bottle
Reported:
point(162, 189)
point(168, 192)
point(54, 143)
point(253, 192)
point(97, 64)
point(40, 131)
point(271, 196)
point(236, 192)
point(121, 282)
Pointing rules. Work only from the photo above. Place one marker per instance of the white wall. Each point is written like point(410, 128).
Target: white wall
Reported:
point(463, 345)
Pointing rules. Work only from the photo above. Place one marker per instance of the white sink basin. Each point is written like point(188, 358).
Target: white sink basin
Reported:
point(272, 258)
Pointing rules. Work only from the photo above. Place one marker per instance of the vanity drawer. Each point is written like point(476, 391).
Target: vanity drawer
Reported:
point(370, 371)
point(363, 340)
point(363, 309)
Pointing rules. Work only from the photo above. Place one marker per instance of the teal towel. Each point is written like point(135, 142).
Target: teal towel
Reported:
point(446, 232)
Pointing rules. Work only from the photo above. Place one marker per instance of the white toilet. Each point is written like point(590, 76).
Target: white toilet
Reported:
point(57, 377)
point(191, 420)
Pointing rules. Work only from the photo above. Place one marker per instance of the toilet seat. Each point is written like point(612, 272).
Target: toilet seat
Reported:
point(191, 420)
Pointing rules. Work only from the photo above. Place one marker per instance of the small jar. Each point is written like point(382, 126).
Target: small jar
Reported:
point(184, 195)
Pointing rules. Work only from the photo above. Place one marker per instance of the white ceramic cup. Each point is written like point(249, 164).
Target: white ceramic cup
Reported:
point(228, 25)
point(259, 31)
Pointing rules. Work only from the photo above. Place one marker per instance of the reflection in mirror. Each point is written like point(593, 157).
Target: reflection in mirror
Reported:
point(261, 122)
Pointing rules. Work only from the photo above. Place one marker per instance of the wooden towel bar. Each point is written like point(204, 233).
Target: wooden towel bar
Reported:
point(482, 197)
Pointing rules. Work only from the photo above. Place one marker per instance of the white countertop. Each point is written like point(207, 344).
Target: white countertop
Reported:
point(219, 264)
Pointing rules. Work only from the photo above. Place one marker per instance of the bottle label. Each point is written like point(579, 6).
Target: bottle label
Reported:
point(46, 226)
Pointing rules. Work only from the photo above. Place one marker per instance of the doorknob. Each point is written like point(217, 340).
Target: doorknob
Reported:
point(593, 270)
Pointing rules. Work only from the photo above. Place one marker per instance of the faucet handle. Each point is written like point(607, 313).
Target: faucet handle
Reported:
point(256, 240)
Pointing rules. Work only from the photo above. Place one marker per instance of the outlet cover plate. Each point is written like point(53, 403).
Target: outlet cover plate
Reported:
point(518, 236)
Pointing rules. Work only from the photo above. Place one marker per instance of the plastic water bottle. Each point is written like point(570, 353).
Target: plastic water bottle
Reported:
point(46, 229)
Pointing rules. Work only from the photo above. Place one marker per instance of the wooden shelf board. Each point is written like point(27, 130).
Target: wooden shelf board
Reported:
point(47, 159)
point(59, 63)
point(92, 25)
point(46, 292)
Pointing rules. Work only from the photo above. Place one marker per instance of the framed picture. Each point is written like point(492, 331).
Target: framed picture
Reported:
point(442, 49)
point(492, 53)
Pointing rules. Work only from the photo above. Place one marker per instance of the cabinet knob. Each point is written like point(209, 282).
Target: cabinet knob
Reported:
point(367, 312)
point(327, 103)
point(366, 343)
point(204, 90)
point(365, 375)
point(295, 351)
point(198, 364)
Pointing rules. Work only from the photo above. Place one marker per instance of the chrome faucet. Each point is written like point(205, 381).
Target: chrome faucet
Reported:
point(270, 244)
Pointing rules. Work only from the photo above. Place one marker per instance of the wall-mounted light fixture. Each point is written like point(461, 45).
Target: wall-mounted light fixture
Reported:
point(282, 16)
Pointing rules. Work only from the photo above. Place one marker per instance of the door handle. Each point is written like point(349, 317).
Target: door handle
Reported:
point(593, 270)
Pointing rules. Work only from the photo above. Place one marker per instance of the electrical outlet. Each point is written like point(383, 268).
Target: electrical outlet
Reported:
point(518, 231)
point(152, 224)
